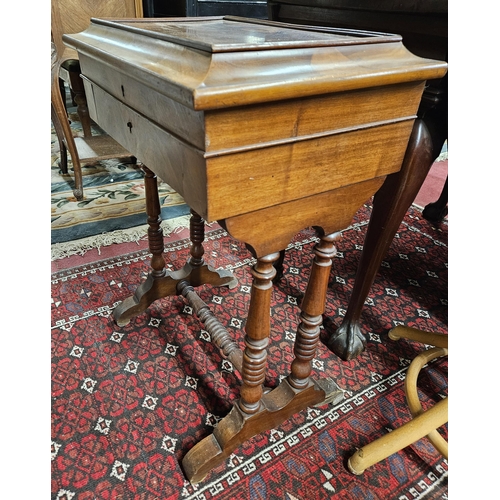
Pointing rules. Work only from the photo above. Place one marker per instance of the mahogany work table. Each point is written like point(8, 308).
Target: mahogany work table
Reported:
point(267, 128)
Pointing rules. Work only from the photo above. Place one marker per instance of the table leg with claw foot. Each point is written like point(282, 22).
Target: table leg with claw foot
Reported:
point(390, 204)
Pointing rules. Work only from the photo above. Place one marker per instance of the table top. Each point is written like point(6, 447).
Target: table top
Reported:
point(231, 33)
point(218, 62)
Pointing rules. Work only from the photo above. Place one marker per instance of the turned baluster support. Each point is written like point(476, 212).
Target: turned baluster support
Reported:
point(257, 411)
point(159, 282)
point(311, 316)
point(258, 328)
point(81, 107)
point(155, 232)
point(197, 236)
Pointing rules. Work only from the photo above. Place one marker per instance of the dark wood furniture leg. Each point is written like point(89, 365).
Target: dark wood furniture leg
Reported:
point(437, 211)
point(161, 283)
point(63, 129)
point(390, 204)
point(256, 412)
point(76, 85)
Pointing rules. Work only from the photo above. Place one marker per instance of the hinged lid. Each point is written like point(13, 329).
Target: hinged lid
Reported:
point(218, 62)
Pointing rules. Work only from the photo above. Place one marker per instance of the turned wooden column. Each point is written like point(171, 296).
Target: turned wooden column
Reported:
point(78, 93)
point(159, 282)
point(197, 235)
point(257, 329)
point(256, 411)
point(155, 232)
point(312, 308)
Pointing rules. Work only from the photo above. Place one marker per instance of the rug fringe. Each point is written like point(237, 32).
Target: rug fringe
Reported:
point(134, 234)
point(442, 157)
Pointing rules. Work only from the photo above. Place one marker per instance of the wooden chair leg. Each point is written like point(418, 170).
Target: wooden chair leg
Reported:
point(399, 438)
point(428, 338)
point(423, 423)
point(65, 135)
point(63, 152)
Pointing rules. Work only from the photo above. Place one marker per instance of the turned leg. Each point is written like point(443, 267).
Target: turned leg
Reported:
point(197, 236)
point(258, 328)
point(256, 412)
point(147, 292)
point(155, 232)
point(389, 208)
point(196, 271)
point(312, 308)
point(80, 99)
point(83, 113)
point(159, 282)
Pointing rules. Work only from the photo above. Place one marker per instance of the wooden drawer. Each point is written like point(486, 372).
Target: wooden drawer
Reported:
point(176, 162)
point(260, 175)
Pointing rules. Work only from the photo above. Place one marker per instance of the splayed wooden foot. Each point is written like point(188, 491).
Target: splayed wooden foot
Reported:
point(159, 282)
point(238, 426)
point(157, 287)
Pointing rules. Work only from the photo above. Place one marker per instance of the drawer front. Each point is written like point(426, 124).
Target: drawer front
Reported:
point(169, 114)
point(234, 182)
point(299, 118)
point(177, 163)
point(286, 172)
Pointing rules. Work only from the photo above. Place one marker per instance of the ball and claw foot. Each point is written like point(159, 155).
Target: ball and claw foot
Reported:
point(78, 194)
point(435, 212)
point(347, 342)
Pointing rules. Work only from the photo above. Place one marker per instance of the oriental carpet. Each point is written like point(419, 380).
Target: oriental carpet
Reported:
point(129, 402)
point(113, 207)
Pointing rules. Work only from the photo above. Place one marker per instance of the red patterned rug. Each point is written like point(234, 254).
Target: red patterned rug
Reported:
point(129, 402)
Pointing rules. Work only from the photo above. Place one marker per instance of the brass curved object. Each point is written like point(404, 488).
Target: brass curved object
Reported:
point(412, 393)
point(423, 423)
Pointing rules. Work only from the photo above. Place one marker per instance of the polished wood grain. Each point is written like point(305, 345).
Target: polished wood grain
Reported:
point(276, 167)
point(285, 121)
point(210, 76)
point(268, 129)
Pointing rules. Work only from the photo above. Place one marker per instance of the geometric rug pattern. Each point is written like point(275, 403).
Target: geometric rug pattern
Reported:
point(129, 402)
